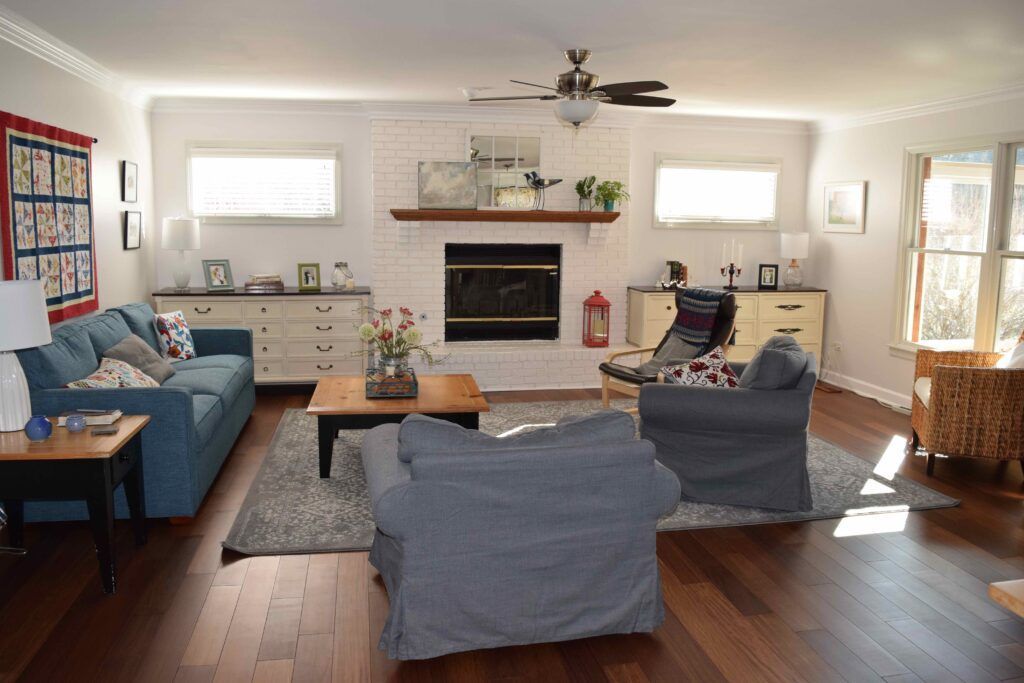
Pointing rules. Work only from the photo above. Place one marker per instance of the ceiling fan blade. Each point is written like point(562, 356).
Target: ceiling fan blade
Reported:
point(640, 101)
point(518, 97)
point(546, 87)
point(631, 88)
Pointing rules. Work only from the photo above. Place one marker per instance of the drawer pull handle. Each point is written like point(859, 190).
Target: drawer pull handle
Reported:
point(265, 349)
point(323, 350)
point(325, 329)
point(668, 308)
point(321, 310)
point(789, 330)
point(790, 307)
point(263, 309)
point(196, 309)
point(263, 330)
point(320, 367)
point(266, 369)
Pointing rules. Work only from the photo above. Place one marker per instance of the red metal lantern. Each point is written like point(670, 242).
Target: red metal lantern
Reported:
point(596, 320)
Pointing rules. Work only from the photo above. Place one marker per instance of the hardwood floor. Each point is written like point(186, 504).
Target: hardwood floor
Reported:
point(786, 602)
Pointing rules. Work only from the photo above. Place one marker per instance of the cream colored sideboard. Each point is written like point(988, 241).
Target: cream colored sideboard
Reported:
point(760, 315)
point(297, 337)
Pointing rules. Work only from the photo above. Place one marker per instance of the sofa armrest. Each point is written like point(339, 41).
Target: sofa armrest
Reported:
point(666, 489)
point(675, 407)
point(235, 341)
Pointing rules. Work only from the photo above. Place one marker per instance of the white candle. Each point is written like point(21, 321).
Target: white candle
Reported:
point(732, 252)
point(724, 262)
point(739, 258)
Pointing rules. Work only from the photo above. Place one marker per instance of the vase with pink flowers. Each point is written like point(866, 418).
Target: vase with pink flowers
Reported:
point(392, 338)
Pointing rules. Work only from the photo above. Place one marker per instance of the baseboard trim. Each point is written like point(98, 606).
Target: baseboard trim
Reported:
point(867, 389)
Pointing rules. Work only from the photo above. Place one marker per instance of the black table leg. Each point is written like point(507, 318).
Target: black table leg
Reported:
point(101, 517)
point(15, 522)
point(134, 491)
point(326, 431)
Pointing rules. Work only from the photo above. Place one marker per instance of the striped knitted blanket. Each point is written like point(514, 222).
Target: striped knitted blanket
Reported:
point(696, 309)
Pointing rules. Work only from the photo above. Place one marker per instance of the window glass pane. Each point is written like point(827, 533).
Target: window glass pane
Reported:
point(1011, 304)
point(955, 191)
point(248, 185)
point(1017, 212)
point(715, 194)
point(944, 301)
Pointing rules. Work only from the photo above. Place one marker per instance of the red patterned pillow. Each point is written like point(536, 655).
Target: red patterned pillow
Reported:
point(709, 370)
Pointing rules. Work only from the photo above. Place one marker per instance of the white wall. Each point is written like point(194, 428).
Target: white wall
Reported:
point(267, 248)
point(35, 89)
point(701, 250)
point(860, 270)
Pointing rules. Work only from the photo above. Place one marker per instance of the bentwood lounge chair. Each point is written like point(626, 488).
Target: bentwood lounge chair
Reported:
point(965, 406)
point(628, 379)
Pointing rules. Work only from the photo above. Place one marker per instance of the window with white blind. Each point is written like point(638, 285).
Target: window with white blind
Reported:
point(962, 266)
point(690, 193)
point(278, 184)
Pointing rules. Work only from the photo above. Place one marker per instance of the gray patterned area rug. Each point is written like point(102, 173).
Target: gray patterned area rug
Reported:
point(290, 509)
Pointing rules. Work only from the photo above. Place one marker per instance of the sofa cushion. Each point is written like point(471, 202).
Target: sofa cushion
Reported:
point(422, 434)
point(115, 374)
point(69, 357)
point(222, 360)
point(140, 319)
point(923, 389)
point(225, 383)
point(207, 412)
point(105, 330)
point(673, 351)
point(709, 370)
point(137, 353)
point(175, 338)
point(779, 364)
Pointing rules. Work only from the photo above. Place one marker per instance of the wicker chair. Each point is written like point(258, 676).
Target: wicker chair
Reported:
point(972, 409)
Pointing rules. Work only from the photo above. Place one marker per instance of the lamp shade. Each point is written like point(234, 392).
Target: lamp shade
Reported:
point(180, 234)
point(23, 312)
point(793, 245)
point(575, 112)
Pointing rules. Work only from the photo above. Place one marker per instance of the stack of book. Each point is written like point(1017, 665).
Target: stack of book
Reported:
point(92, 417)
point(264, 283)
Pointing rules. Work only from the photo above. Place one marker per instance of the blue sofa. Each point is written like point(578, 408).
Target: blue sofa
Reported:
point(196, 414)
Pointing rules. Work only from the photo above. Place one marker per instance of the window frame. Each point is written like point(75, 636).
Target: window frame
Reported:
point(726, 162)
point(277, 148)
point(997, 232)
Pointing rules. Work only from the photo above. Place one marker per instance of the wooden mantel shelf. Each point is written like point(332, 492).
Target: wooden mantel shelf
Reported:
point(504, 216)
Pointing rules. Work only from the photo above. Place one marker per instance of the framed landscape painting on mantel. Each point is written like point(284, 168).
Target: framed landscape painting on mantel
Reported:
point(845, 204)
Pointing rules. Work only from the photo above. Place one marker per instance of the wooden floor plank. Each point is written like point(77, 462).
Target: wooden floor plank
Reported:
point(352, 620)
point(242, 643)
point(319, 596)
point(273, 670)
point(211, 629)
point(313, 658)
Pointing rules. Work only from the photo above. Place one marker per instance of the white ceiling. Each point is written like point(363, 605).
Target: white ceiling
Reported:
point(803, 59)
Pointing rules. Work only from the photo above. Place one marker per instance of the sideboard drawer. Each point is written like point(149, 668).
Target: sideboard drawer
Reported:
point(326, 329)
point(322, 309)
point(202, 310)
point(740, 353)
point(267, 349)
point(661, 307)
point(326, 348)
point(746, 333)
point(325, 366)
point(807, 332)
point(267, 369)
point(258, 310)
point(746, 307)
point(267, 330)
point(790, 307)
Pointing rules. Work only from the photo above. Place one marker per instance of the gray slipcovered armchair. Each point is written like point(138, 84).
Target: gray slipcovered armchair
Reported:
point(739, 446)
point(485, 542)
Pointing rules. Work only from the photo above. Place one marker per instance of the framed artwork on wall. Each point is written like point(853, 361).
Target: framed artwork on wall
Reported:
point(309, 277)
point(132, 229)
point(768, 276)
point(845, 204)
point(218, 275)
point(129, 182)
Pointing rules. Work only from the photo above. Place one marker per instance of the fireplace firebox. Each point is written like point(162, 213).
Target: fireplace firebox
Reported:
point(501, 291)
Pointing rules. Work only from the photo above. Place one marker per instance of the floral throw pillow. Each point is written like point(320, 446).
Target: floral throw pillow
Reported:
point(175, 337)
point(709, 370)
point(114, 374)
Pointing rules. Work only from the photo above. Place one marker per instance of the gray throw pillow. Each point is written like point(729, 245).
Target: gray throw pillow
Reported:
point(134, 351)
point(674, 352)
point(422, 434)
point(779, 364)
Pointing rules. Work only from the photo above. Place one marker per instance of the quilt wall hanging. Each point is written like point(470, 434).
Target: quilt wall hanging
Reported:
point(47, 219)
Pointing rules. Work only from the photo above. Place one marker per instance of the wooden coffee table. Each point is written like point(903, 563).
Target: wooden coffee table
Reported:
point(340, 402)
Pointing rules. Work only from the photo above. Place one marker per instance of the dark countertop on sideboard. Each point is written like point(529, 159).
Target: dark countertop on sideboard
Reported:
point(742, 289)
point(239, 291)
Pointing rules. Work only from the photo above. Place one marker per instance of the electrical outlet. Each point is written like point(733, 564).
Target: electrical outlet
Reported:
point(837, 347)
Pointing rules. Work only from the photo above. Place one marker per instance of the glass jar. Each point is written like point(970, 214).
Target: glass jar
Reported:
point(342, 277)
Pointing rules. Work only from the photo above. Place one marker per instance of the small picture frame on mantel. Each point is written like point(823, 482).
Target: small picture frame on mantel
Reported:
point(768, 276)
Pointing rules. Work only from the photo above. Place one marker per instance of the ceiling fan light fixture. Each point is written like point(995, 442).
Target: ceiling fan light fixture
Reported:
point(576, 112)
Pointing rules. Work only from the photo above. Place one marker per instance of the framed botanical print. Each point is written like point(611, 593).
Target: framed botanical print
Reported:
point(309, 277)
point(768, 276)
point(218, 275)
point(132, 229)
point(845, 204)
point(129, 182)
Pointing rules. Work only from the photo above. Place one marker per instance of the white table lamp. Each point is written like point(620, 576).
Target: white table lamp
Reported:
point(23, 310)
point(181, 234)
point(793, 245)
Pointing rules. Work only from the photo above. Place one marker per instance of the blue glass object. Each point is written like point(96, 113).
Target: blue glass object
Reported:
point(75, 422)
point(38, 428)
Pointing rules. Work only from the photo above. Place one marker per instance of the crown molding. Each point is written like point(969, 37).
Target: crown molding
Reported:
point(20, 32)
point(994, 96)
point(734, 124)
point(227, 105)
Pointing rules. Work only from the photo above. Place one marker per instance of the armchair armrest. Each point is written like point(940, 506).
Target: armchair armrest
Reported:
point(675, 407)
point(927, 359)
point(210, 341)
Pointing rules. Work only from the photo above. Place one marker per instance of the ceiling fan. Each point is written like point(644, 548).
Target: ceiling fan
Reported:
point(577, 93)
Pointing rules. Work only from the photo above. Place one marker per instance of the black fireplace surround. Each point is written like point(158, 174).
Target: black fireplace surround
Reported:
point(501, 291)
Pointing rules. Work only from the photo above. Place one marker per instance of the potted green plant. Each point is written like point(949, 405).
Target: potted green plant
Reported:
point(585, 190)
point(609, 192)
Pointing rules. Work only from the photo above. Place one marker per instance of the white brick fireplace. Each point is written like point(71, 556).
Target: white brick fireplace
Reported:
point(409, 257)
